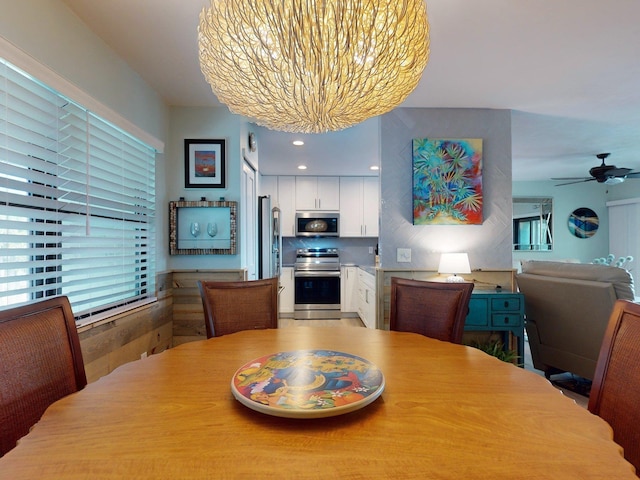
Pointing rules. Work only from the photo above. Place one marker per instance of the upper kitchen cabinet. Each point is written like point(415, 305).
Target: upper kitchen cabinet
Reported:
point(359, 210)
point(282, 190)
point(286, 203)
point(269, 187)
point(317, 193)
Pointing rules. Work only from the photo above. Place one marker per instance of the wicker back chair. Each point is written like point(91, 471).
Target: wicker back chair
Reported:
point(433, 309)
point(233, 306)
point(615, 391)
point(40, 362)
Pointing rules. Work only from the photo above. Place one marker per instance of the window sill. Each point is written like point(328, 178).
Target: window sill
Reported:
point(112, 315)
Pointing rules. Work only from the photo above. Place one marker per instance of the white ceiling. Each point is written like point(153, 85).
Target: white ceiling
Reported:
point(569, 70)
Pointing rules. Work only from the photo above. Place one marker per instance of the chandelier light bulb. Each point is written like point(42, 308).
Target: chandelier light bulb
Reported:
point(313, 66)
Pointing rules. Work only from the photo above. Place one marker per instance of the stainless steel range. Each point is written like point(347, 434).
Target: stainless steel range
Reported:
point(317, 283)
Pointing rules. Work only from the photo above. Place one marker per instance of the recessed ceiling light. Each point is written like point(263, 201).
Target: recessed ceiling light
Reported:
point(302, 167)
point(298, 143)
point(374, 167)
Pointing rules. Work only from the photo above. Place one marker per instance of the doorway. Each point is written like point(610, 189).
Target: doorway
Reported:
point(249, 245)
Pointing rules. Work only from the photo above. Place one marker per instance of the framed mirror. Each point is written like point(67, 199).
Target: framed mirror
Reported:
point(533, 223)
point(202, 228)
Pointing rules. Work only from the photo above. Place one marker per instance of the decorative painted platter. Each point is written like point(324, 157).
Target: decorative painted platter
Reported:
point(307, 383)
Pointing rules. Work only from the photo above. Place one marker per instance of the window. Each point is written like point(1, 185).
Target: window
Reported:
point(77, 202)
point(532, 223)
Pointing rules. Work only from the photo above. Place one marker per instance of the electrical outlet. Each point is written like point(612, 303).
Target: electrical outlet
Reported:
point(370, 250)
point(403, 255)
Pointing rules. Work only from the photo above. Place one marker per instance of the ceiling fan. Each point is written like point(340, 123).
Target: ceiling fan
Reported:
point(608, 174)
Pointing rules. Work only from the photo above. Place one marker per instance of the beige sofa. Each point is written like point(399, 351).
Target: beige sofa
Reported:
point(567, 307)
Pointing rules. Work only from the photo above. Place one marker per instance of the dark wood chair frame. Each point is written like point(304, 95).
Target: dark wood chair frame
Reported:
point(615, 390)
point(40, 362)
point(242, 312)
point(415, 317)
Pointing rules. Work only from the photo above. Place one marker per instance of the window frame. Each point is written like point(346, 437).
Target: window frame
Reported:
point(47, 269)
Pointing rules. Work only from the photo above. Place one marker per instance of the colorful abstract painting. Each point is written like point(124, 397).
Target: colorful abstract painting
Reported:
point(447, 181)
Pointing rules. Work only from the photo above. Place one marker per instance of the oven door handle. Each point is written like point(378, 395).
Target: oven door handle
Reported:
point(316, 273)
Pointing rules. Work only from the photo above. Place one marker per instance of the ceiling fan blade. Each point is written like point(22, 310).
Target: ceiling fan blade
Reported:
point(617, 172)
point(571, 178)
point(633, 175)
point(576, 181)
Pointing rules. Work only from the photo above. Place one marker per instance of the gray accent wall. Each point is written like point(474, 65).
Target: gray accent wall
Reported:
point(489, 244)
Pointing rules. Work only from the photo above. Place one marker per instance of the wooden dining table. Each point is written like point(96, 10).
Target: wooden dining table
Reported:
point(447, 412)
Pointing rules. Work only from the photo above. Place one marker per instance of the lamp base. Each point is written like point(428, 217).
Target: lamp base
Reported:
point(455, 279)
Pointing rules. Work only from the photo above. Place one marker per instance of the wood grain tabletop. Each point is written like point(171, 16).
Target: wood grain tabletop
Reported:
point(447, 412)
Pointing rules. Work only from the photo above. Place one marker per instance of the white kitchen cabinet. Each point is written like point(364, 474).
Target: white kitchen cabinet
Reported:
point(370, 206)
point(359, 211)
point(367, 298)
point(287, 205)
point(349, 289)
point(318, 193)
point(269, 187)
point(286, 296)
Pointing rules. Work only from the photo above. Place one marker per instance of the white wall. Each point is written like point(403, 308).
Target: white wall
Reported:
point(205, 123)
point(51, 35)
point(565, 200)
point(629, 189)
point(489, 244)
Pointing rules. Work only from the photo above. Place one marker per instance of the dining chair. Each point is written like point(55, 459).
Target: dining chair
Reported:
point(433, 309)
point(233, 306)
point(40, 362)
point(615, 390)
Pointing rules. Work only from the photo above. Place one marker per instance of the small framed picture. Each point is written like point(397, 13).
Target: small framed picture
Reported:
point(204, 163)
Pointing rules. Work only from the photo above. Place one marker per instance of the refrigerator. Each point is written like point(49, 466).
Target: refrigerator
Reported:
point(270, 243)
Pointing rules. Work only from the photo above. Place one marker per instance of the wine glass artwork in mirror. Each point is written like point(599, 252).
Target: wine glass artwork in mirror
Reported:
point(202, 228)
point(533, 223)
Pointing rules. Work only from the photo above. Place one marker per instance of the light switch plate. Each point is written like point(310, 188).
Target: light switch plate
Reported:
point(403, 255)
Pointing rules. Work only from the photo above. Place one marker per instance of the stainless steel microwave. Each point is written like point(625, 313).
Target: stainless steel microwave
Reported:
point(317, 224)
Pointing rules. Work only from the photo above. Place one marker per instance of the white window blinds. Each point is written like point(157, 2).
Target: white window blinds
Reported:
point(77, 202)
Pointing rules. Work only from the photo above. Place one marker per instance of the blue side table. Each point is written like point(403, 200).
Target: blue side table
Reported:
point(497, 311)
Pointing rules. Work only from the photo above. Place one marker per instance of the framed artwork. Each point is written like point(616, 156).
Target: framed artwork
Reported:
point(203, 228)
point(583, 222)
point(204, 163)
point(447, 181)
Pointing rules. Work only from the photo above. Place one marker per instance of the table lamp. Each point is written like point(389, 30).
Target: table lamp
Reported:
point(454, 263)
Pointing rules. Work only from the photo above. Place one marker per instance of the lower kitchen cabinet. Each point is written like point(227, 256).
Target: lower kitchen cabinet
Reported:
point(286, 296)
point(349, 289)
point(367, 298)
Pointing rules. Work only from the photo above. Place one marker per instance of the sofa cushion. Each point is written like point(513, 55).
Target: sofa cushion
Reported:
point(621, 279)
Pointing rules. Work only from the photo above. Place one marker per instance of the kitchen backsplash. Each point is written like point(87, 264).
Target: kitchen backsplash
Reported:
point(352, 250)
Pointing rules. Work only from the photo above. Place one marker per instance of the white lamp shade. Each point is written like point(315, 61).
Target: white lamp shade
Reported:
point(454, 263)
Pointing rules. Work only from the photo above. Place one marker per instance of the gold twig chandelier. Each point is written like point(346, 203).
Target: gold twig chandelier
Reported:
point(313, 65)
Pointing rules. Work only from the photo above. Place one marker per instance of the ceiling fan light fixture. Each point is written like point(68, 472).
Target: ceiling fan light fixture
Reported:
point(614, 180)
point(313, 66)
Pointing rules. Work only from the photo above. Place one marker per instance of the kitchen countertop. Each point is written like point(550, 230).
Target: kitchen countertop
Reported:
point(367, 268)
point(370, 269)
